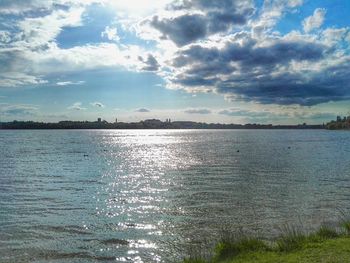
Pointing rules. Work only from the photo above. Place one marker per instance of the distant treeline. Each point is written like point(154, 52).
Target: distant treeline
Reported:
point(339, 124)
point(147, 124)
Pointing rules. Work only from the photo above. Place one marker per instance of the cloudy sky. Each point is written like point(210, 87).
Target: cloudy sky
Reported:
point(240, 61)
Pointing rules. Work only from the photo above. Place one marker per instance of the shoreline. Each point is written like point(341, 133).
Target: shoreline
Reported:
point(327, 245)
point(148, 124)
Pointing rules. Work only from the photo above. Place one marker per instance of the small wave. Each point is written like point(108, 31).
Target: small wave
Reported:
point(55, 255)
point(71, 229)
point(115, 241)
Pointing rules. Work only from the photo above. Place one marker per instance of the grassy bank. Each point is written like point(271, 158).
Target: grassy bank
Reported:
point(327, 245)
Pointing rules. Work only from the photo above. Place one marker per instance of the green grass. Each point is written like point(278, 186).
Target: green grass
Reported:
point(227, 249)
point(326, 232)
point(335, 250)
point(346, 225)
point(292, 238)
point(327, 245)
point(345, 221)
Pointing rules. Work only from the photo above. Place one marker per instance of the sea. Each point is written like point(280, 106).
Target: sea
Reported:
point(162, 195)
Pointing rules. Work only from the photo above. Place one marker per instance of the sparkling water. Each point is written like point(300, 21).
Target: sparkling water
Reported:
point(156, 195)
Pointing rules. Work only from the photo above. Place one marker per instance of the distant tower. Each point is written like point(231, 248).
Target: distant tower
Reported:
point(116, 120)
point(99, 120)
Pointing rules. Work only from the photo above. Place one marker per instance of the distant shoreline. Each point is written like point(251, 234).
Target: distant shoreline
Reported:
point(146, 125)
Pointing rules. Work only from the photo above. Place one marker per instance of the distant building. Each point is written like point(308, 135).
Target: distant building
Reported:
point(116, 120)
point(152, 121)
point(338, 118)
point(99, 120)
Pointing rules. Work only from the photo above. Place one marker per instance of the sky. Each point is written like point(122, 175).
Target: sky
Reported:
point(227, 61)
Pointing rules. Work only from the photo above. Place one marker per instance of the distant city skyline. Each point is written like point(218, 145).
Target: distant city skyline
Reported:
point(248, 61)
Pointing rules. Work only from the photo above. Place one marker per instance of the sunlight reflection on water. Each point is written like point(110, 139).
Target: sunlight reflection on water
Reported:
point(152, 196)
point(136, 179)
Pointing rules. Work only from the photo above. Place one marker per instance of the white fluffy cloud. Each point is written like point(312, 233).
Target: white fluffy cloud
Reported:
point(5, 37)
point(13, 79)
point(76, 106)
point(77, 58)
point(31, 51)
point(21, 51)
point(315, 21)
point(271, 12)
point(111, 33)
point(38, 31)
point(295, 3)
point(28, 66)
point(67, 83)
point(19, 7)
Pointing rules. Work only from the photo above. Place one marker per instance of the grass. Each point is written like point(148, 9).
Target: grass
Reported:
point(326, 232)
point(346, 226)
point(327, 251)
point(292, 238)
point(225, 249)
point(326, 245)
point(345, 221)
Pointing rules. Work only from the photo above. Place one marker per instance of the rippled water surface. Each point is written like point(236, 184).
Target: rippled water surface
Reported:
point(153, 195)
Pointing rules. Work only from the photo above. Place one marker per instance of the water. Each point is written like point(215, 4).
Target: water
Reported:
point(155, 195)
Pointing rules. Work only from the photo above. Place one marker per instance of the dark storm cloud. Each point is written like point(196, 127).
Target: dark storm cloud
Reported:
point(150, 64)
point(294, 112)
point(261, 73)
point(214, 17)
point(194, 80)
point(278, 52)
point(183, 29)
point(330, 84)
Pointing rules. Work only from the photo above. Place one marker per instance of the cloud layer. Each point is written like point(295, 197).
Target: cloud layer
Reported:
point(233, 48)
point(247, 61)
point(18, 109)
point(201, 18)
